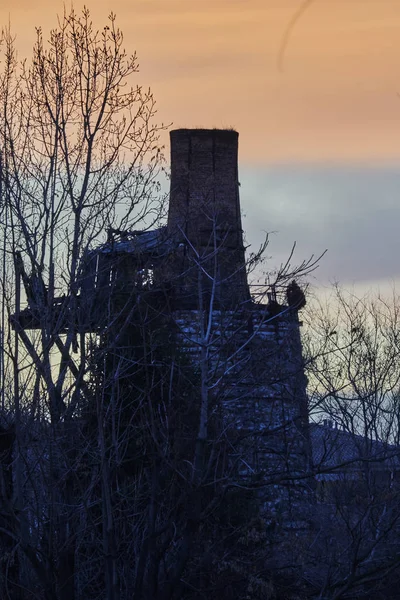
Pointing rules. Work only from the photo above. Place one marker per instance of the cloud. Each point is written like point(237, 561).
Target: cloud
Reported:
point(354, 212)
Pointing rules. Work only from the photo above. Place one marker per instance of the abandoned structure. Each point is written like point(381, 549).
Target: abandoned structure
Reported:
point(193, 271)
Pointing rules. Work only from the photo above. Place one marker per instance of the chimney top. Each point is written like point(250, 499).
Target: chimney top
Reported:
point(227, 134)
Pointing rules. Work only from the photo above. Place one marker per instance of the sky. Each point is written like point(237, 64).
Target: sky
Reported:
point(319, 130)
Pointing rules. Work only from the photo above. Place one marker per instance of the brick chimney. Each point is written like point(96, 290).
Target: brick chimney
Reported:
point(204, 214)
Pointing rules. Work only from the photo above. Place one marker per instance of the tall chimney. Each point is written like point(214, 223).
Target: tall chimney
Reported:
point(204, 213)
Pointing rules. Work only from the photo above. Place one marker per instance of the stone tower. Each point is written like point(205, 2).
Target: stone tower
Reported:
point(256, 347)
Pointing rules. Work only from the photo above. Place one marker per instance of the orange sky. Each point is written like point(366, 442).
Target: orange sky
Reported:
point(214, 63)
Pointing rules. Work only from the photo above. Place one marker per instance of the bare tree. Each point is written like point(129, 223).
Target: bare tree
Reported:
point(79, 154)
point(352, 347)
point(354, 375)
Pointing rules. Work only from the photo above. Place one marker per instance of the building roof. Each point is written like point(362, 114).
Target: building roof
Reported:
point(153, 242)
point(344, 451)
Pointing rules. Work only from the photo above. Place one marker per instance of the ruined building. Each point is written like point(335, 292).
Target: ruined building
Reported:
point(189, 277)
point(193, 271)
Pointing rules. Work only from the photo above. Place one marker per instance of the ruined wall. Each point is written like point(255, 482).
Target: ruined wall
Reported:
point(255, 375)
